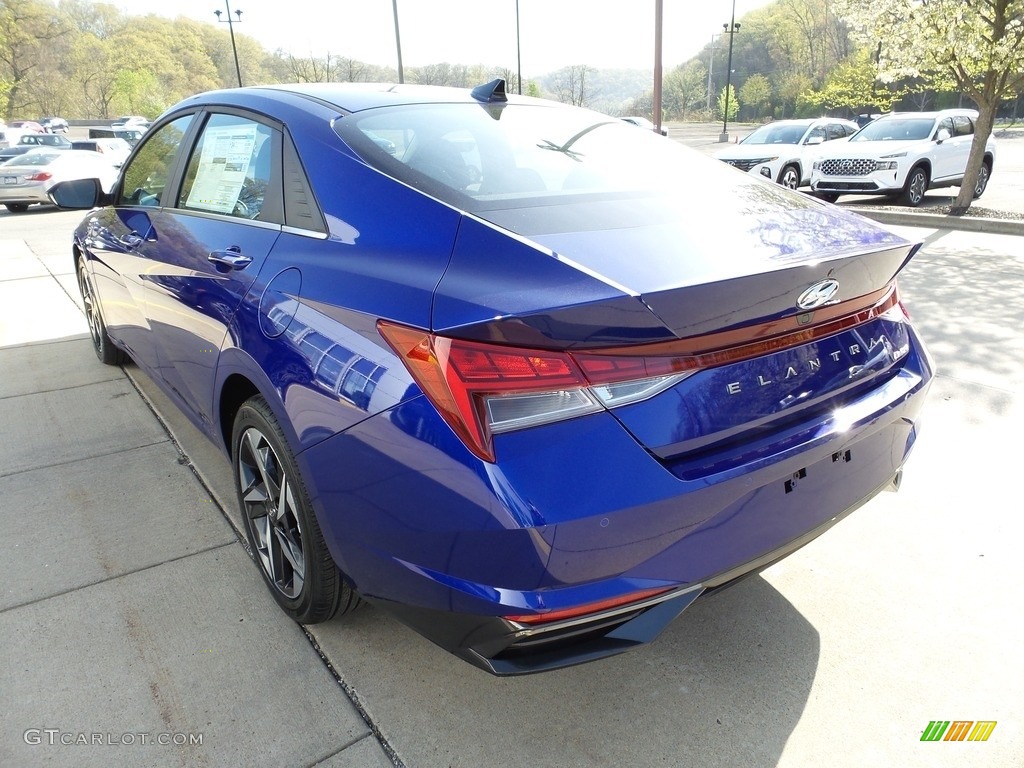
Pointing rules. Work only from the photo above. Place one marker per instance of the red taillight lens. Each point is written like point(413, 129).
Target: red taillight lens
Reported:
point(481, 388)
point(40, 176)
point(546, 617)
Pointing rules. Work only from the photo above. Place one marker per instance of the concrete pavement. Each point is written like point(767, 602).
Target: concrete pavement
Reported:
point(130, 610)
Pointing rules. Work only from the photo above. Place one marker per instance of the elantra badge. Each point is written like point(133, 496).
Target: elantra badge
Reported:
point(819, 294)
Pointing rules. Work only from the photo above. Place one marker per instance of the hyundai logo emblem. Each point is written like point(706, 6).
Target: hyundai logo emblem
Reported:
point(818, 295)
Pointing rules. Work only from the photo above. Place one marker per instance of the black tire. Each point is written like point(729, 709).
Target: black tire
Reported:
point(789, 177)
point(16, 207)
point(828, 197)
point(983, 176)
point(290, 550)
point(916, 186)
point(104, 348)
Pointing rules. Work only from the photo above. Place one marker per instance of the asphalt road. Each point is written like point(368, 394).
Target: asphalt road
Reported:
point(122, 611)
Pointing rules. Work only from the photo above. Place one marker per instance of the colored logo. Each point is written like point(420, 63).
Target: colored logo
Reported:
point(958, 730)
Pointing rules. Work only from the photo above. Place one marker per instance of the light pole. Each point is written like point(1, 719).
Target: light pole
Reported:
point(398, 42)
point(519, 58)
point(730, 29)
point(231, 29)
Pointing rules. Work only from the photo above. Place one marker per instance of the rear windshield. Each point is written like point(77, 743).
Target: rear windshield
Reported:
point(484, 156)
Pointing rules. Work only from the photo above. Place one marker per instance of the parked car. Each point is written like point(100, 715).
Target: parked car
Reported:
point(26, 179)
point(30, 141)
point(479, 358)
point(44, 140)
point(130, 121)
point(131, 135)
point(27, 126)
point(54, 124)
point(782, 151)
point(115, 150)
point(643, 122)
point(903, 155)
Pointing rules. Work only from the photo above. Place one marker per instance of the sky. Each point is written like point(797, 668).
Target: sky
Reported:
point(553, 33)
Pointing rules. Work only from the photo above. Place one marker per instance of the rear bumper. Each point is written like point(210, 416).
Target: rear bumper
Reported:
point(452, 545)
point(504, 647)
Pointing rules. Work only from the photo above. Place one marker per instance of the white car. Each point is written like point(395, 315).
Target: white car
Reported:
point(782, 151)
point(26, 179)
point(131, 121)
point(115, 150)
point(903, 155)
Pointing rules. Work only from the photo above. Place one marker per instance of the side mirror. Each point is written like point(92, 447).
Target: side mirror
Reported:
point(942, 135)
point(79, 194)
point(815, 140)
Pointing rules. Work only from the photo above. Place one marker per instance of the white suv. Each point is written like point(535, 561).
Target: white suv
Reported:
point(781, 151)
point(902, 154)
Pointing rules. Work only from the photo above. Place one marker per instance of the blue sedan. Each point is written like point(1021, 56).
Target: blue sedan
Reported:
point(494, 364)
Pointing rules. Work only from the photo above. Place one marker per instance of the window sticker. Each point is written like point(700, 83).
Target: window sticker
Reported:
point(223, 165)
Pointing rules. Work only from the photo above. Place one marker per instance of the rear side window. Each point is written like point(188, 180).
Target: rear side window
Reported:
point(146, 176)
point(231, 168)
point(962, 126)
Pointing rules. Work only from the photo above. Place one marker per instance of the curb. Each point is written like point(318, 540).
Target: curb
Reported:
point(936, 221)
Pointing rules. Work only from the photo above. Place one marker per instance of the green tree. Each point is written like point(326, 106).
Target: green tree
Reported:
point(756, 93)
point(734, 104)
point(978, 45)
point(685, 89)
point(26, 27)
point(853, 85)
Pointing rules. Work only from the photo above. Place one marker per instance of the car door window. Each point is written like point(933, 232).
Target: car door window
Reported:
point(945, 124)
point(835, 131)
point(230, 170)
point(818, 132)
point(962, 126)
point(146, 176)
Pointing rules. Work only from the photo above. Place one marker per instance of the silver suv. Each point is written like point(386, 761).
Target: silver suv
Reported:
point(902, 155)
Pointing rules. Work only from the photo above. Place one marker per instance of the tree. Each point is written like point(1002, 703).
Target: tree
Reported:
point(685, 89)
point(854, 84)
point(756, 93)
point(571, 85)
point(978, 45)
point(26, 27)
point(734, 104)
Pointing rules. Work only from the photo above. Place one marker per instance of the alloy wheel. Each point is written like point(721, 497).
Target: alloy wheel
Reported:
point(92, 316)
point(982, 182)
point(270, 509)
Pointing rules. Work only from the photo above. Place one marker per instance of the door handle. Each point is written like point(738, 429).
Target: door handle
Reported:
point(230, 258)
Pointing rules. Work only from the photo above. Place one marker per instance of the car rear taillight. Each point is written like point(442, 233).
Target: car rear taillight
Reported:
point(40, 176)
point(482, 389)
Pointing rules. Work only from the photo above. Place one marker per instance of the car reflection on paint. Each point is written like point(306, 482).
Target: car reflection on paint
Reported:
point(482, 361)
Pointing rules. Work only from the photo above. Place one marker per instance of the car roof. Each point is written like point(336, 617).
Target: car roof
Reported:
point(931, 115)
point(355, 97)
